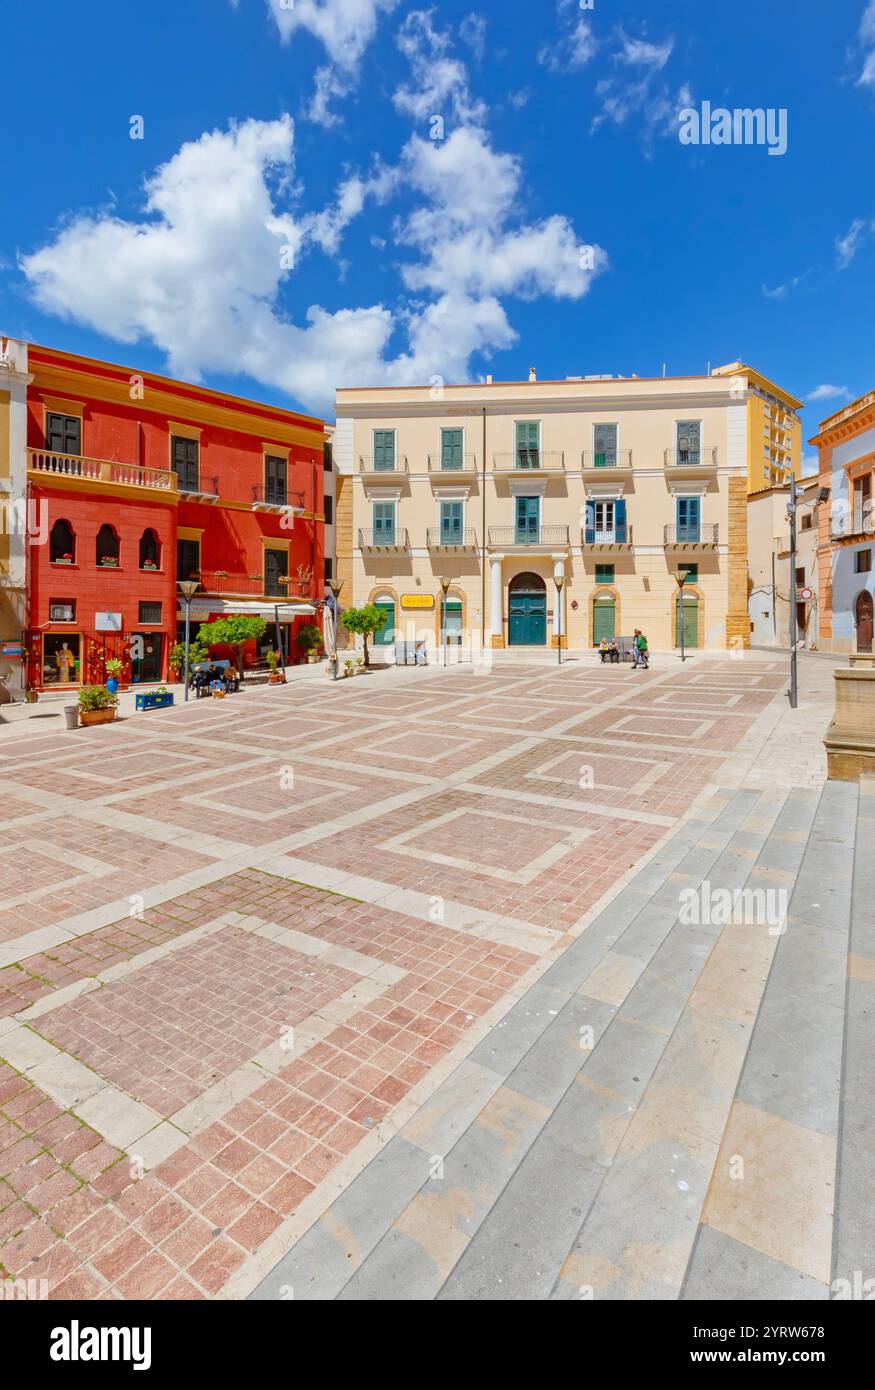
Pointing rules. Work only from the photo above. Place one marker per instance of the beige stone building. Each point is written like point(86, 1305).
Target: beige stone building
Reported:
point(768, 534)
point(612, 485)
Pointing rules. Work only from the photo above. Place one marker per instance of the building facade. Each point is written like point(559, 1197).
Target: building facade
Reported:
point(140, 481)
point(615, 486)
point(846, 533)
point(13, 530)
point(774, 428)
point(769, 561)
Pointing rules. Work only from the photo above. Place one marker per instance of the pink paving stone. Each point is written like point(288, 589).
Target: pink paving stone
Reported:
point(215, 1266)
point(254, 1226)
point(148, 1278)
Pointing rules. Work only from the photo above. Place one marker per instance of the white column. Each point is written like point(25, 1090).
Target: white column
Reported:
point(559, 599)
point(495, 612)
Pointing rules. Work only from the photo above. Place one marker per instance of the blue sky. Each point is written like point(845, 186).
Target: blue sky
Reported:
point(287, 223)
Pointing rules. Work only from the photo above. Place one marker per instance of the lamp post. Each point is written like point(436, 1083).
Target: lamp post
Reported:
point(335, 585)
point(680, 580)
point(445, 584)
point(559, 581)
point(188, 588)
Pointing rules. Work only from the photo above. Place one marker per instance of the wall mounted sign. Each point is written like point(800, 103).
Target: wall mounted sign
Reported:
point(107, 622)
point(13, 651)
point(417, 601)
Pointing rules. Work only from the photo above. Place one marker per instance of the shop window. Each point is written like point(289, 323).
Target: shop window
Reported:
point(150, 550)
point(107, 547)
point(62, 544)
point(150, 613)
point(62, 610)
point(61, 659)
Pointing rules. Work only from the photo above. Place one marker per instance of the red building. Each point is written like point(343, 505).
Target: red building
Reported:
point(139, 481)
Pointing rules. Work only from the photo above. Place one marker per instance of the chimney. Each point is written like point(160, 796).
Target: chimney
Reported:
point(532, 374)
point(489, 379)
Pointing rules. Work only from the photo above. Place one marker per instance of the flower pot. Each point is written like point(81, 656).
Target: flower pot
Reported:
point(87, 717)
point(112, 685)
point(274, 678)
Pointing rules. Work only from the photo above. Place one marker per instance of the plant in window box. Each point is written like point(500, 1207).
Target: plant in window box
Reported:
point(63, 560)
point(149, 565)
point(97, 705)
point(113, 671)
point(109, 561)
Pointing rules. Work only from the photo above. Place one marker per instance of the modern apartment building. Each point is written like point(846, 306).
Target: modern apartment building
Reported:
point(140, 481)
point(846, 532)
point(774, 429)
point(615, 486)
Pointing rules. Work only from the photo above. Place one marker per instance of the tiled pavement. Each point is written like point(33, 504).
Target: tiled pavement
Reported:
point(304, 980)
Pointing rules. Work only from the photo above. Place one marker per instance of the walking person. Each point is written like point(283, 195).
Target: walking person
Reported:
point(640, 652)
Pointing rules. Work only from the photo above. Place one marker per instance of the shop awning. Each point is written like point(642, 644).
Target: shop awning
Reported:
point(203, 608)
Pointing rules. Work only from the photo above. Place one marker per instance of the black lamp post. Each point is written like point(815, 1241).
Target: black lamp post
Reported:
point(559, 581)
point(681, 578)
point(335, 585)
point(188, 588)
point(445, 584)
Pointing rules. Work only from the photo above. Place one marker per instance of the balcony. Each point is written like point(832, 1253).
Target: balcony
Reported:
point(376, 471)
point(610, 536)
point(528, 461)
point(543, 537)
point(682, 536)
point(199, 489)
point(618, 460)
point(703, 459)
point(222, 583)
point(857, 523)
point(439, 539)
point(392, 541)
point(98, 475)
point(275, 501)
point(442, 471)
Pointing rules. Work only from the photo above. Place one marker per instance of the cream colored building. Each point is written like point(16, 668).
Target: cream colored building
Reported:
point(613, 485)
point(769, 565)
point(13, 518)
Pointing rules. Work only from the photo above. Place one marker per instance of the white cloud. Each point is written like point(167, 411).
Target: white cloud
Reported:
point(439, 82)
point(867, 42)
point(636, 88)
point(472, 31)
point(345, 28)
point(576, 45)
point(828, 393)
point(848, 245)
point(783, 291)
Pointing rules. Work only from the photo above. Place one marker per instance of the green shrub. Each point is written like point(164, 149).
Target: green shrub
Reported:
point(96, 697)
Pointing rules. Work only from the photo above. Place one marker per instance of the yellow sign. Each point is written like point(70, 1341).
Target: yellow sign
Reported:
point(417, 601)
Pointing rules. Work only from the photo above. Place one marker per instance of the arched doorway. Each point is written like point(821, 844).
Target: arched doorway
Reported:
point(386, 635)
point(527, 611)
point(687, 612)
point(604, 618)
point(863, 614)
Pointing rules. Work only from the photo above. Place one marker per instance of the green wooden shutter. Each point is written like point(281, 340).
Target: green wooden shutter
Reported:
point(384, 450)
point(527, 432)
point(451, 449)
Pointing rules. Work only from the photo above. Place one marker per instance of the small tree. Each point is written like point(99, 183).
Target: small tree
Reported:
point(233, 632)
point(197, 653)
point(310, 638)
point(365, 622)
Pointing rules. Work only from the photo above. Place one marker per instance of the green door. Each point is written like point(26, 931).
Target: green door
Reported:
point(690, 611)
point(604, 620)
point(386, 636)
point(527, 625)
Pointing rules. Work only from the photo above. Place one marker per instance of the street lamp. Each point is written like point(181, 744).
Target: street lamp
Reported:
point(188, 588)
point(445, 584)
point(822, 495)
point(680, 579)
point(559, 581)
point(335, 585)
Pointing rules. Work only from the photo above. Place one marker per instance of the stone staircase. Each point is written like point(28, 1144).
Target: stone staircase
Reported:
point(658, 1117)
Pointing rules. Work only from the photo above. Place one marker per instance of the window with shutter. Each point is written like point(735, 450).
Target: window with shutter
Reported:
point(188, 559)
point(527, 444)
point(276, 568)
point(63, 433)
point(184, 461)
point(451, 449)
point(384, 451)
point(605, 446)
point(275, 471)
point(689, 441)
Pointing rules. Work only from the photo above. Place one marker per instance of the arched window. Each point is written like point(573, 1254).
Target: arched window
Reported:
point(62, 544)
point(107, 546)
point(150, 550)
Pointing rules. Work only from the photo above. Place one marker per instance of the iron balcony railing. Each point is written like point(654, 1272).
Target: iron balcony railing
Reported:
point(439, 538)
point(540, 535)
point(275, 497)
point(199, 487)
point(392, 539)
point(438, 463)
point(46, 461)
point(691, 535)
point(611, 535)
point(611, 458)
point(522, 460)
point(855, 523)
point(703, 457)
point(220, 582)
point(368, 464)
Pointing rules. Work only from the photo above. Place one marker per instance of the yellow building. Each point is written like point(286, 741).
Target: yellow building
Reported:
point(774, 429)
point(13, 520)
point(615, 486)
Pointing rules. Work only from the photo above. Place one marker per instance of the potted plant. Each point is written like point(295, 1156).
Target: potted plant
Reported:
point(113, 671)
point(311, 642)
point(149, 565)
point(108, 561)
point(66, 559)
point(349, 667)
point(275, 676)
point(162, 698)
point(97, 705)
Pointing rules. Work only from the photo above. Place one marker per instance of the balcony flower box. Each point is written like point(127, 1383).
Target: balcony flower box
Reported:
point(154, 699)
point(108, 562)
point(148, 565)
point(63, 560)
